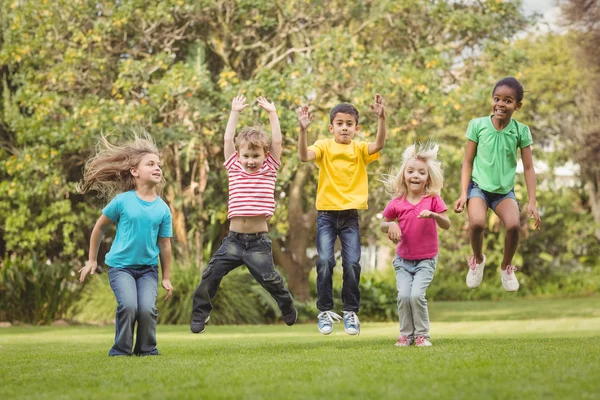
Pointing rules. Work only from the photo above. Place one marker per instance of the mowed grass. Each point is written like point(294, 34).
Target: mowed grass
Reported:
point(476, 355)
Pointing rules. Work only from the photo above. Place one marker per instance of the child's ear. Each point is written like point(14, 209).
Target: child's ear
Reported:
point(357, 128)
point(133, 171)
point(519, 104)
point(331, 128)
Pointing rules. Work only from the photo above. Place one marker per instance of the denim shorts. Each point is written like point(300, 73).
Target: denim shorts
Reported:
point(491, 199)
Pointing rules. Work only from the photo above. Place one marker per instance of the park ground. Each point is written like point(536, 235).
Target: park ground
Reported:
point(521, 349)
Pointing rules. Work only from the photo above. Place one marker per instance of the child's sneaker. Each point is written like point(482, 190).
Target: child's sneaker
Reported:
point(325, 321)
point(290, 317)
point(475, 274)
point(403, 341)
point(198, 324)
point(509, 279)
point(351, 323)
point(422, 341)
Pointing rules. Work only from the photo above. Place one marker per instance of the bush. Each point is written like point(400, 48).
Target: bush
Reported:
point(35, 292)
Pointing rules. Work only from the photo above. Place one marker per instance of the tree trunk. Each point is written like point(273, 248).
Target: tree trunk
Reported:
point(593, 187)
point(291, 253)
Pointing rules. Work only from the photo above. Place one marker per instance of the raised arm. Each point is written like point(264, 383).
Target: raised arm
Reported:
point(465, 176)
point(304, 120)
point(276, 138)
point(92, 263)
point(378, 107)
point(238, 104)
point(530, 182)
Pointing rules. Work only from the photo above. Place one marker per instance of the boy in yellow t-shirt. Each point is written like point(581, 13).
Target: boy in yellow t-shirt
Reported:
point(342, 191)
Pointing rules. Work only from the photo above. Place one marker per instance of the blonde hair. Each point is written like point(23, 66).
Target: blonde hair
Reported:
point(395, 184)
point(253, 137)
point(109, 171)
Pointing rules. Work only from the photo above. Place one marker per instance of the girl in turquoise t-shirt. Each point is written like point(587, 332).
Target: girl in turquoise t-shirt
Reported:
point(144, 230)
point(411, 219)
point(488, 178)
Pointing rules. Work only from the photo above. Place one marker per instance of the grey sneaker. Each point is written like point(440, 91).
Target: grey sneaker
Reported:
point(325, 321)
point(351, 323)
point(198, 324)
point(290, 317)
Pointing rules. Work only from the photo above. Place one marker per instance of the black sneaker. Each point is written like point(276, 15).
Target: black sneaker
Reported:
point(198, 324)
point(291, 316)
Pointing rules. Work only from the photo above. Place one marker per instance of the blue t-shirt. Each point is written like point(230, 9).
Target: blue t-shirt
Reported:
point(139, 225)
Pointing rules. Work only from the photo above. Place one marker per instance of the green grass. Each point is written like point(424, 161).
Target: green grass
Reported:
point(551, 351)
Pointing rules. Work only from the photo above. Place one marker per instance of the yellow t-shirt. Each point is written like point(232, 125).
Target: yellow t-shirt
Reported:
point(343, 181)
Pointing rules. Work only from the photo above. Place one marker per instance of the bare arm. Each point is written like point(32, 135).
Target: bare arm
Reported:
point(96, 236)
point(465, 175)
point(304, 120)
point(530, 182)
point(392, 228)
point(440, 218)
point(378, 107)
point(237, 105)
point(164, 244)
point(276, 138)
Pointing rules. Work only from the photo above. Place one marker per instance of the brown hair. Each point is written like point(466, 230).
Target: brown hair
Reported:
point(109, 171)
point(253, 137)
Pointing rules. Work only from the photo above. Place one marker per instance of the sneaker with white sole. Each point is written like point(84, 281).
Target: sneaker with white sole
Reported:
point(351, 323)
point(198, 324)
point(509, 279)
point(475, 274)
point(403, 341)
point(422, 341)
point(325, 321)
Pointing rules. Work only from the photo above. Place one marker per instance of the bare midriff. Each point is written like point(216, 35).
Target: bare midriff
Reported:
point(249, 224)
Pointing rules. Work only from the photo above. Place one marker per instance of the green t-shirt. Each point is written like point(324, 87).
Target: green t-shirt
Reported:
point(495, 163)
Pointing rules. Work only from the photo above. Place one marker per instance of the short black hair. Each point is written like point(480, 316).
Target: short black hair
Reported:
point(512, 83)
point(344, 108)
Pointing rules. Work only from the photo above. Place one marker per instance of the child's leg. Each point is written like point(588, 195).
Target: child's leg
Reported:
point(259, 260)
point(422, 278)
point(123, 286)
point(227, 258)
point(147, 290)
point(477, 209)
point(350, 239)
point(326, 235)
point(508, 212)
point(404, 282)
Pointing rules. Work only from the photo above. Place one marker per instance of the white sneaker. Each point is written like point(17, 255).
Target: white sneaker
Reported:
point(509, 279)
point(325, 321)
point(475, 274)
point(422, 341)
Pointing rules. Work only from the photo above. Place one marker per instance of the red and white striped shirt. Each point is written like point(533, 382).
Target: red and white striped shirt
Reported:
point(251, 194)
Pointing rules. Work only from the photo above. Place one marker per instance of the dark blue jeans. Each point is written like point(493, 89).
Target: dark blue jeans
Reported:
point(255, 251)
point(330, 225)
point(135, 290)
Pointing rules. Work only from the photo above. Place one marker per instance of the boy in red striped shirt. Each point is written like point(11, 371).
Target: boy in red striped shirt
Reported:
point(252, 172)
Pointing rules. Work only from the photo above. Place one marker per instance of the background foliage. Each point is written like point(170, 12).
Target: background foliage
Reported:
point(72, 70)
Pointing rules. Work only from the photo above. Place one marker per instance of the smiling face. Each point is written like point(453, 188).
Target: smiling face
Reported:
point(416, 176)
point(252, 158)
point(148, 170)
point(344, 127)
point(504, 103)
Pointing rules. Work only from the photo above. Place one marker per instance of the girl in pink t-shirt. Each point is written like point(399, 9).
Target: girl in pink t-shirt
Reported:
point(411, 219)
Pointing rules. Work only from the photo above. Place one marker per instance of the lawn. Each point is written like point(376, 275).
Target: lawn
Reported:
point(544, 349)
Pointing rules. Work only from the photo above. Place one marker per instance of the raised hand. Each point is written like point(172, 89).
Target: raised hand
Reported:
point(265, 105)
point(426, 214)
point(304, 117)
point(239, 103)
point(378, 106)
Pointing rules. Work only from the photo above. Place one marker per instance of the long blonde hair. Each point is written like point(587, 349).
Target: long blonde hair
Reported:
point(108, 172)
point(426, 152)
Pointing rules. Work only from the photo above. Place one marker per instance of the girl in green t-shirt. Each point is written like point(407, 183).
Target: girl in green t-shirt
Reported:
point(488, 178)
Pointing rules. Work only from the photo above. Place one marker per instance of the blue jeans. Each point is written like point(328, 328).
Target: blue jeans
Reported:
point(135, 290)
point(330, 225)
point(255, 251)
point(412, 279)
point(491, 199)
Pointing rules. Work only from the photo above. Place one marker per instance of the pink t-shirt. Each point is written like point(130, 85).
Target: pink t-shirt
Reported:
point(419, 235)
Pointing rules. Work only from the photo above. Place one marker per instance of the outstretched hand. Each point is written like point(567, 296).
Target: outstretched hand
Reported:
point(265, 105)
point(304, 117)
point(239, 103)
point(378, 106)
